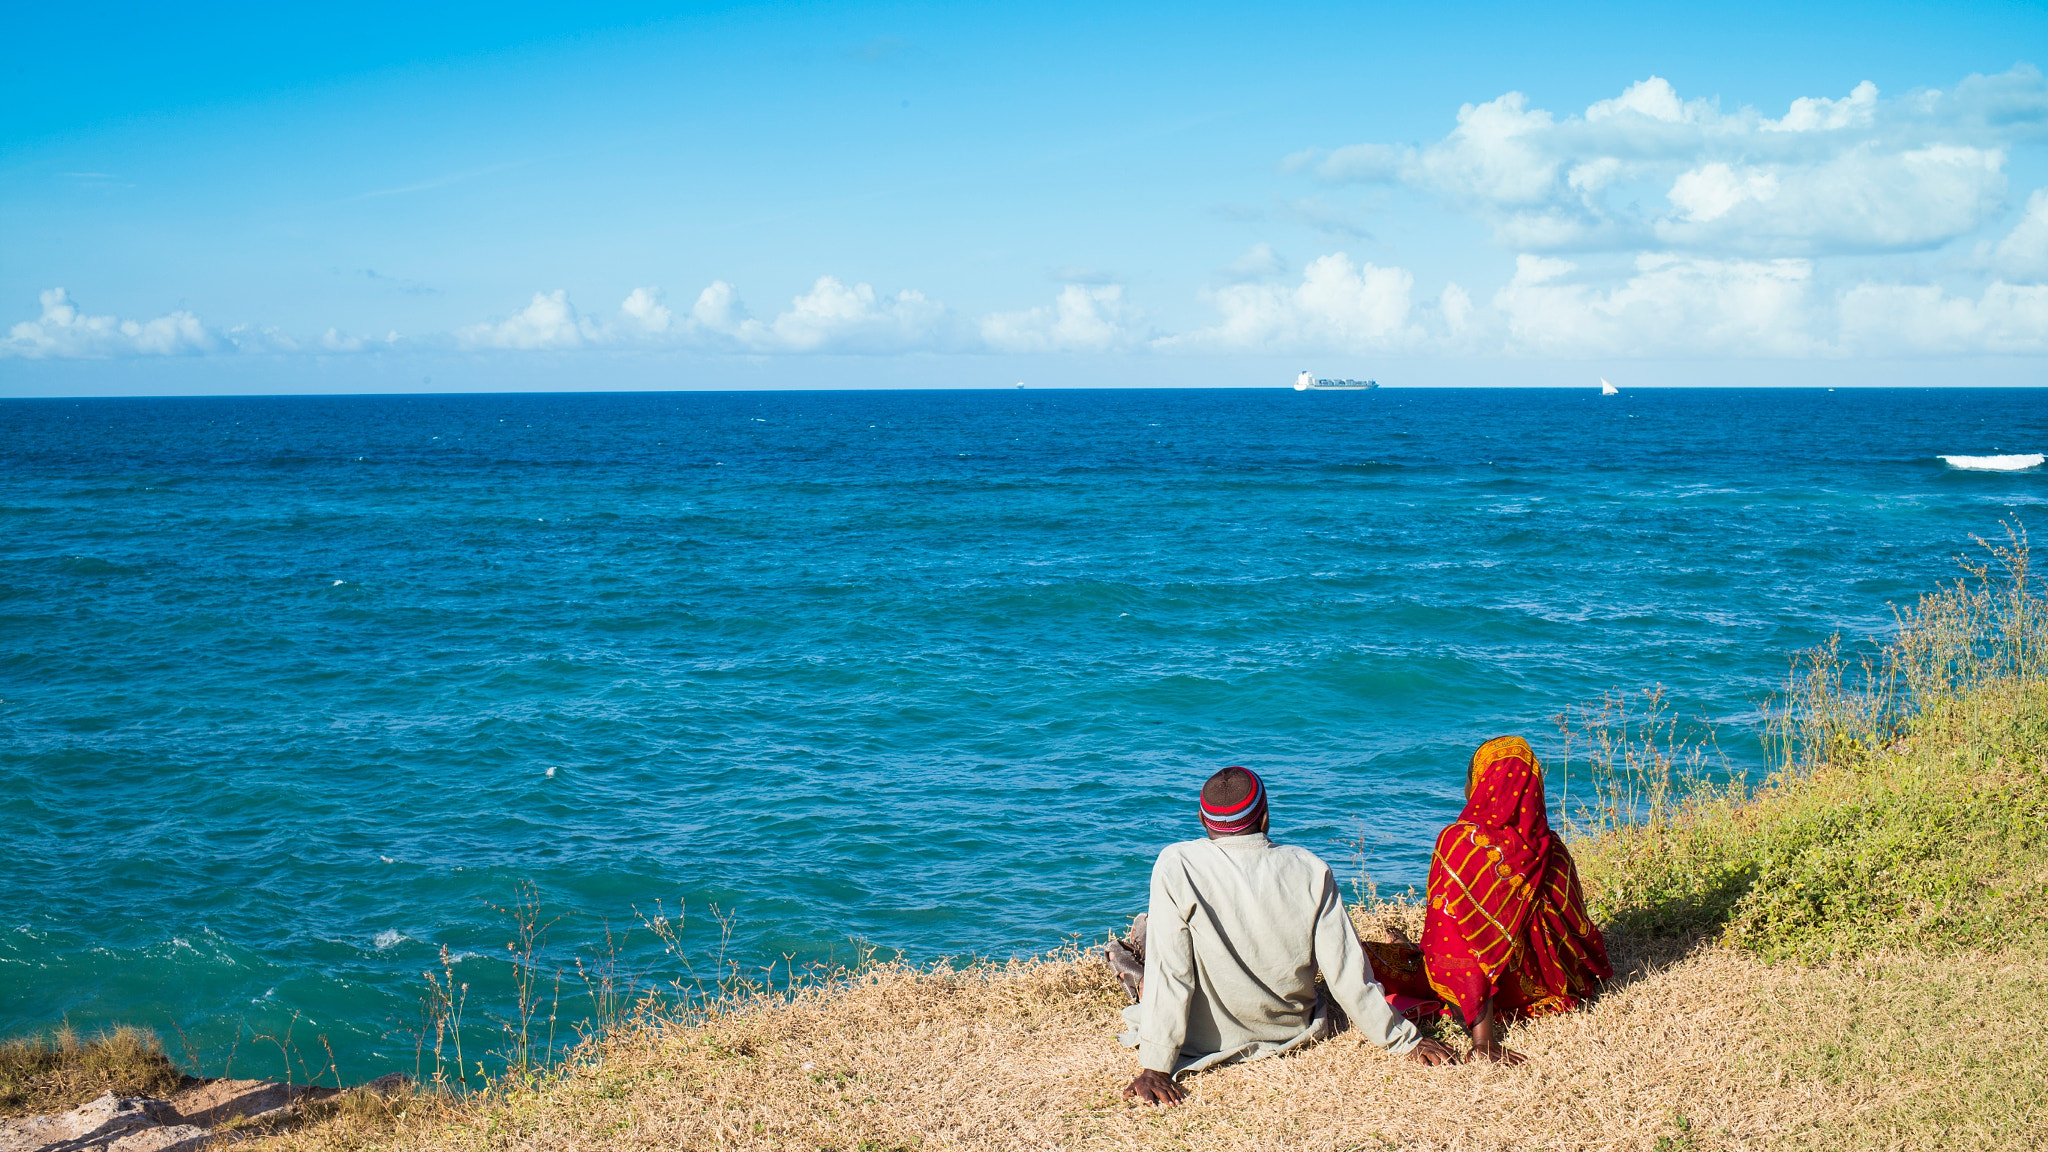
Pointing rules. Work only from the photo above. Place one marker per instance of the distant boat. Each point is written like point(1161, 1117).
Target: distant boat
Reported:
point(1306, 382)
point(1607, 389)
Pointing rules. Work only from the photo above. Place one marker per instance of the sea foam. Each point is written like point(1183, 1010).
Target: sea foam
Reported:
point(2014, 463)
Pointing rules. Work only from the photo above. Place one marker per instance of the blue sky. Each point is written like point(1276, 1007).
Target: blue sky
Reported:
point(255, 198)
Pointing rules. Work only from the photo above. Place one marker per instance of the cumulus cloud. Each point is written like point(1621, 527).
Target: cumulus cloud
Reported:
point(856, 319)
point(643, 307)
point(1083, 319)
point(832, 317)
point(1922, 318)
point(1648, 168)
point(1671, 305)
point(1867, 198)
point(65, 332)
point(548, 321)
point(2023, 253)
point(1337, 306)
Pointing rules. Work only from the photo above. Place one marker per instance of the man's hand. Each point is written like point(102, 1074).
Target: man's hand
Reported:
point(1157, 1088)
point(1432, 1053)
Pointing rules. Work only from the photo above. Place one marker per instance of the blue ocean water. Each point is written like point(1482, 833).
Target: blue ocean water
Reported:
point(292, 690)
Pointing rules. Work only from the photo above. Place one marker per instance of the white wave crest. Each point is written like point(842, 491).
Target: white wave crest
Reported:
point(388, 937)
point(2014, 463)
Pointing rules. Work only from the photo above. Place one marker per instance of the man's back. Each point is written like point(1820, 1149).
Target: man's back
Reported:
point(1238, 928)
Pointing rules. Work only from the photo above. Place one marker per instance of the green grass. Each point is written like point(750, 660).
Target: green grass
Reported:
point(1910, 807)
point(63, 1070)
point(1939, 843)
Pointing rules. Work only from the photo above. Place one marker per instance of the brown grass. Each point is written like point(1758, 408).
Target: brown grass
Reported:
point(1709, 1049)
point(64, 1070)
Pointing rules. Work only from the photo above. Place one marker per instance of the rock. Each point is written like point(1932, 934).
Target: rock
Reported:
point(108, 1124)
point(216, 1102)
point(390, 1084)
point(184, 1123)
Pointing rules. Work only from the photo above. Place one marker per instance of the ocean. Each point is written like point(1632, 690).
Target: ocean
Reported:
point(297, 691)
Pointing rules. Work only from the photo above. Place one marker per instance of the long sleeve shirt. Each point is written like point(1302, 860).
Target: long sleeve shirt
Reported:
point(1239, 927)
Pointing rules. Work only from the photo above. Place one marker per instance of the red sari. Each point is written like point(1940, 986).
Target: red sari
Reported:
point(1506, 918)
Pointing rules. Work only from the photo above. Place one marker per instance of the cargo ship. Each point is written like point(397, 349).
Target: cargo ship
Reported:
point(1307, 382)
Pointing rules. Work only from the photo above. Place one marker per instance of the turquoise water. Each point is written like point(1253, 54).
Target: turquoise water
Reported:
point(293, 689)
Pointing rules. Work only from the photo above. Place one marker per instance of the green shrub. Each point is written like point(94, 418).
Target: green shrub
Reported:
point(1909, 806)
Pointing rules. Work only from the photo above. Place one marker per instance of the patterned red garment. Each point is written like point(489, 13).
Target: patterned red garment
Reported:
point(1506, 917)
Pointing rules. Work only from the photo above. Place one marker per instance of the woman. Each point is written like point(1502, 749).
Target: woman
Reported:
point(1507, 933)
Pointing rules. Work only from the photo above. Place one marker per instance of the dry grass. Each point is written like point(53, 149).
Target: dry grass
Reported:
point(1714, 1049)
point(64, 1070)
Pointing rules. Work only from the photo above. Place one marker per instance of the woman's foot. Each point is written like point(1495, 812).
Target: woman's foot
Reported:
point(1127, 959)
point(1129, 969)
point(1498, 1053)
point(1486, 1043)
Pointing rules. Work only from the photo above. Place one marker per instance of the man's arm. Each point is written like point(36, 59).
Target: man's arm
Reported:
point(1348, 976)
point(1169, 970)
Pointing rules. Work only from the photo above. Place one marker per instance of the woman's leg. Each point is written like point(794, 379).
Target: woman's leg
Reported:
point(1486, 1038)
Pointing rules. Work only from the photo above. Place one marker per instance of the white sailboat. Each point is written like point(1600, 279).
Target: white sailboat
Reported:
point(1607, 389)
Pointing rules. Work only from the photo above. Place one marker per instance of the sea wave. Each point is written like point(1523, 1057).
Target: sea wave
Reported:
point(2018, 462)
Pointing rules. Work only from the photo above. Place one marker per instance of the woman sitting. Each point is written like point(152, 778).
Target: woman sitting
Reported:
point(1507, 934)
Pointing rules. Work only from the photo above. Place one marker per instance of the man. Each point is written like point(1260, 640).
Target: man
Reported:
point(1237, 929)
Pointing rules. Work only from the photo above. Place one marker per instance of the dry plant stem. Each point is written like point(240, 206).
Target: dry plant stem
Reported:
point(530, 936)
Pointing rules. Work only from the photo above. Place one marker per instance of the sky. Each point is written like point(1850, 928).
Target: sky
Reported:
point(393, 197)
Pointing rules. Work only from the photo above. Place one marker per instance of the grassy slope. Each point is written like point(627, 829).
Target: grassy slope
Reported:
point(1848, 959)
point(1939, 841)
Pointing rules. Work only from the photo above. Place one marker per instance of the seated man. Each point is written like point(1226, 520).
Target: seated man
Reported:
point(1506, 934)
point(1237, 929)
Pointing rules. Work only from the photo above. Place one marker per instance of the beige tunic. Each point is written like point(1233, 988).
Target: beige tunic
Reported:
point(1239, 927)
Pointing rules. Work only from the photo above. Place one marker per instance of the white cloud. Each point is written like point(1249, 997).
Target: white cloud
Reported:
point(64, 332)
point(548, 321)
point(644, 308)
point(1706, 194)
point(719, 312)
point(1499, 154)
point(1259, 262)
point(1655, 99)
point(1337, 306)
point(1819, 114)
point(1455, 304)
point(834, 317)
point(2005, 318)
point(831, 317)
point(1082, 319)
point(1865, 199)
point(1857, 173)
point(1672, 305)
point(2023, 254)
